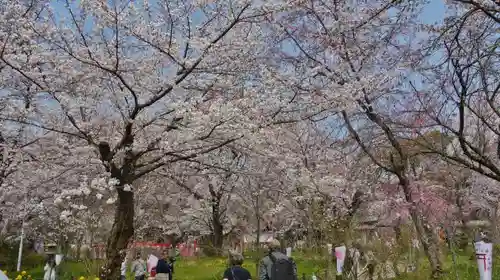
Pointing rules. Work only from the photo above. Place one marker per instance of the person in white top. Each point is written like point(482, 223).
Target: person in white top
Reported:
point(139, 267)
point(123, 269)
point(50, 268)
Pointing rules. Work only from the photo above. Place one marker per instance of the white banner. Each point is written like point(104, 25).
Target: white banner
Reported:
point(59, 259)
point(484, 252)
point(152, 262)
point(340, 255)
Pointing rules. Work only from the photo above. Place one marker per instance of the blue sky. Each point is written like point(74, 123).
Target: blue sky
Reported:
point(434, 11)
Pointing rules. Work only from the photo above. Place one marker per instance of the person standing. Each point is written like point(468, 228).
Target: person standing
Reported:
point(123, 269)
point(236, 272)
point(50, 268)
point(171, 267)
point(276, 265)
point(163, 267)
point(139, 267)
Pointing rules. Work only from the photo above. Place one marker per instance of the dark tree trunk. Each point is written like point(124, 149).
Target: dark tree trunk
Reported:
point(79, 248)
point(257, 239)
point(121, 233)
point(425, 235)
point(399, 167)
point(174, 241)
point(397, 232)
point(217, 235)
point(91, 245)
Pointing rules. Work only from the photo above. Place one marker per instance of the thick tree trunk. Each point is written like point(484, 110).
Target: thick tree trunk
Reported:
point(217, 235)
point(257, 237)
point(121, 233)
point(79, 248)
point(4, 230)
point(425, 236)
point(217, 226)
point(91, 245)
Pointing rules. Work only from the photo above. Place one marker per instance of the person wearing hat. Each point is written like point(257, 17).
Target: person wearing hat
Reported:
point(236, 271)
point(276, 265)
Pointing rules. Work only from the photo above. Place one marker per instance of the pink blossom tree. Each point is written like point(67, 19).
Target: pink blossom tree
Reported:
point(140, 84)
point(352, 56)
point(459, 93)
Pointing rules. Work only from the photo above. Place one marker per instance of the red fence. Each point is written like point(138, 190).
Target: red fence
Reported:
point(186, 249)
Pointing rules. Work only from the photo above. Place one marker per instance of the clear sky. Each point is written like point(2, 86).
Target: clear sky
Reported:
point(434, 11)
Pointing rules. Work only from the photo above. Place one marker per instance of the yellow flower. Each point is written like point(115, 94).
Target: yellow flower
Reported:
point(23, 273)
point(19, 277)
point(82, 278)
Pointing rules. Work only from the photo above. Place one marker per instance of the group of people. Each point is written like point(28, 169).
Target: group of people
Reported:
point(164, 267)
point(274, 266)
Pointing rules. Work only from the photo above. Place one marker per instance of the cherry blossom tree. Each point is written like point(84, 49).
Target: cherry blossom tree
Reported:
point(140, 84)
point(210, 112)
point(458, 95)
point(456, 90)
point(319, 182)
point(352, 54)
point(213, 185)
point(14, 139)
point(163, 211)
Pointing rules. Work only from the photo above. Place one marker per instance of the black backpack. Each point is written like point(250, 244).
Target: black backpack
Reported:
point(282, 269)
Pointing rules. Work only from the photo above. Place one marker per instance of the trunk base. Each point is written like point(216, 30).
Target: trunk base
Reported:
point(121, 234)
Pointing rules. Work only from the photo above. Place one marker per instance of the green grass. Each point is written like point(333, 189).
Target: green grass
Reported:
point(212, 268)
point(466, 268)
point(185, 269)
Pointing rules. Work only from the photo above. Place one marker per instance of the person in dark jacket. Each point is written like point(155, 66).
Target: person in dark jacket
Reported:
point(163, 267)
point(266, 264)
point(171, 266)
point(236, 272)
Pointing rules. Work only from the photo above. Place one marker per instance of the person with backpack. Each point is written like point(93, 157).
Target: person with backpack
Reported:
point(236, 272)
point(276, 265)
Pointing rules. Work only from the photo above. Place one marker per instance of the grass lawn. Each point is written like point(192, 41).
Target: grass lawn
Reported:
point(466, 269)
point(185, 269)
point(212, 269)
